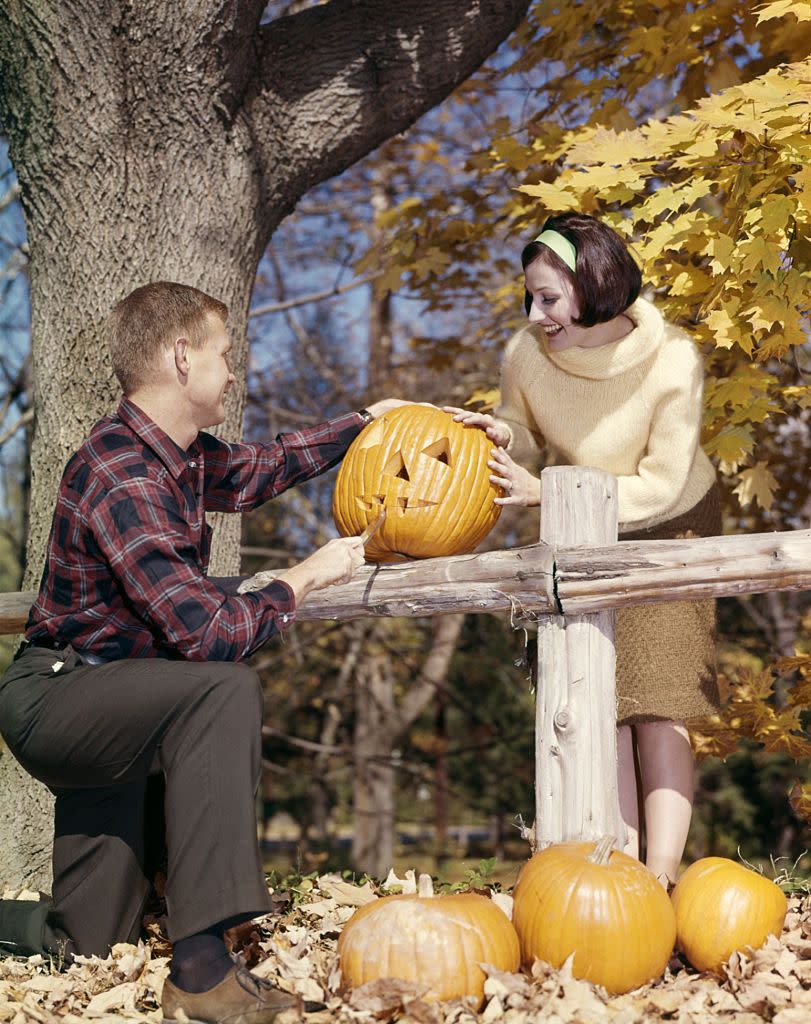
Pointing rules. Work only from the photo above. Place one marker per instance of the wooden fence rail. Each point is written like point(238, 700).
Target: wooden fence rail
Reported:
point(539, 580)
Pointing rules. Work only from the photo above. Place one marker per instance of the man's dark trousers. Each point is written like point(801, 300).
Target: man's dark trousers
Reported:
point(94, 734)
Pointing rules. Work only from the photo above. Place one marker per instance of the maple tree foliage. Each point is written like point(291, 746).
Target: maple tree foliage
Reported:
point(687, 128)
point(715, 198)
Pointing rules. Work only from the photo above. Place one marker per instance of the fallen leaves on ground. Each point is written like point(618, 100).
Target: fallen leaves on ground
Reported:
point(295, 948)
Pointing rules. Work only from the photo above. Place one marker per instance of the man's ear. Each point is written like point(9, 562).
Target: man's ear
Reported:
point(181, 354)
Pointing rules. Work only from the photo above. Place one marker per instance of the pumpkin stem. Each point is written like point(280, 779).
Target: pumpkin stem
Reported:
point(602, 850)
point(425, 889)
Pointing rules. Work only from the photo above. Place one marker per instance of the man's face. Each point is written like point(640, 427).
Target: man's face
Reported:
point(210, 375)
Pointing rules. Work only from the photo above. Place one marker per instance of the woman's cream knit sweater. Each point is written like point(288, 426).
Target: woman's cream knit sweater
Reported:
point(632, 407)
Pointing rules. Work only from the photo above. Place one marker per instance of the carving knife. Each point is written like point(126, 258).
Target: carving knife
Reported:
point(373, 527)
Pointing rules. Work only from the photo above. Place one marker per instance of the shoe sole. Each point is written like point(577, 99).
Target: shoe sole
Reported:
point(309, 1007)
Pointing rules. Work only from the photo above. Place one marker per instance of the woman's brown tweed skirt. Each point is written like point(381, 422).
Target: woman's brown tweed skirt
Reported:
point(666, 652)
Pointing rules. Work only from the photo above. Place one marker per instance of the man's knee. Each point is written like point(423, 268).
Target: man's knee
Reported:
point(246, 681)
point(239, 691)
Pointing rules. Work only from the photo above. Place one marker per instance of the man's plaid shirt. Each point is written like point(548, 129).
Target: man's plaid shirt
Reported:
point(125, 574)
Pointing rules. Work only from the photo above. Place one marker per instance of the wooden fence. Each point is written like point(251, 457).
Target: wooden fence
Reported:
point(569, 583)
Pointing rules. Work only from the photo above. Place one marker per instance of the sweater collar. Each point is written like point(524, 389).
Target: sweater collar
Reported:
point(613, 359)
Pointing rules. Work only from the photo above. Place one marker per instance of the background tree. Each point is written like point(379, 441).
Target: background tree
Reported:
point(169, 142)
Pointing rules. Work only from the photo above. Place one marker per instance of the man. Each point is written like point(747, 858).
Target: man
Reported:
point(130, 667)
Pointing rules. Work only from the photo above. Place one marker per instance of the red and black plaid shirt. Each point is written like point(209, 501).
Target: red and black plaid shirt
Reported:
point(125, 574)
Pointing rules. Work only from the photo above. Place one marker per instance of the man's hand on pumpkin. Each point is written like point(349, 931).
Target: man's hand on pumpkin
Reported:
point(520, 487)
point(497, 431)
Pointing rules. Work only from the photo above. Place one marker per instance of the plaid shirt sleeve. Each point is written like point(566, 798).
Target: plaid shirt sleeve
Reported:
point(145, 540)
point(238, 477)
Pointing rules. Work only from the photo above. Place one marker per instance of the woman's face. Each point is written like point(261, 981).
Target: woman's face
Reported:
point(554, 306)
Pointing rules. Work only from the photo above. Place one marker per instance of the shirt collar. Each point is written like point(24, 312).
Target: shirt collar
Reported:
point(147, 430)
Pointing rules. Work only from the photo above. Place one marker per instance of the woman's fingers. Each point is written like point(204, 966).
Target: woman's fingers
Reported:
point(496, 431)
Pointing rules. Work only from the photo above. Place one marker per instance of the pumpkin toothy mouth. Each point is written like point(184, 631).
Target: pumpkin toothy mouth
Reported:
point(396, 469)
point(399, 502)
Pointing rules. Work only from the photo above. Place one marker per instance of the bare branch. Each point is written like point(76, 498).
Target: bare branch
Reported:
point(304, 300)
point(7, 434)
point(11, 195)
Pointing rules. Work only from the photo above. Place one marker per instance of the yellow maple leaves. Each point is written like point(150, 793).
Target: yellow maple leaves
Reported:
point(756, 484)
point(750, 713)
point(801, 9)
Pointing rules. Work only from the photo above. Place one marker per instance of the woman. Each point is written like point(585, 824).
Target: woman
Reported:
point(599, 379)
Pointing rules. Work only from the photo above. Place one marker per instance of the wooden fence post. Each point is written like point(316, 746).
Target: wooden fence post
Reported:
point(576, 792)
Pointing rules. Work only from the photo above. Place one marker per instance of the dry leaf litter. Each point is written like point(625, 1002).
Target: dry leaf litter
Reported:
point(295, 948)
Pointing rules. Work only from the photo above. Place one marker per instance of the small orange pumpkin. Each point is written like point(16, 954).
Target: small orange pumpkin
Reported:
point(601, 905)
point(436, 941)
point(722, 906)
point(429, 473)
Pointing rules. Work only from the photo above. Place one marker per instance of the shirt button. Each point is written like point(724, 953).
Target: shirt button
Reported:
point(285, 617)
point(192, 464)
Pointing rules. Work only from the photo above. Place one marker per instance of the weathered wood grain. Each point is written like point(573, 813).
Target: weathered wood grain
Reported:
point(640, 572)
point(576, 791)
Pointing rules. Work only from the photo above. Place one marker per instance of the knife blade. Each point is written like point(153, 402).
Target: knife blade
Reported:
point(373, 527)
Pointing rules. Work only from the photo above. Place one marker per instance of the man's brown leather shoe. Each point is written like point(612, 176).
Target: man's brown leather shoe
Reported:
point(240, 998)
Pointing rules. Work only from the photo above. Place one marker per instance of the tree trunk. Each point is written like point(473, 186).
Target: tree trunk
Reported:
point(441, 781)
point(379, 725)
point(373, 779)
point(22, 862)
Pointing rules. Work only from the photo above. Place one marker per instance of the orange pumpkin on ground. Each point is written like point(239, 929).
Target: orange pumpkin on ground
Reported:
point(722, 906)
point(436, 941)
point(429, 473)
point(600, 904)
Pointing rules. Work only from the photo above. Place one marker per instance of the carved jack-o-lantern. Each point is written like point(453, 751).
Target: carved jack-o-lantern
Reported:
point(429, 473)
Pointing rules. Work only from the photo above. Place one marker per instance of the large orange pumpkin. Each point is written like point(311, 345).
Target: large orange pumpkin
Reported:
point(437, 941)
point(722, 906)
point(601, 905)
point(429, 473)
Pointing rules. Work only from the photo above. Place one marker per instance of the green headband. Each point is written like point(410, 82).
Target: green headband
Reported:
point(560, 246)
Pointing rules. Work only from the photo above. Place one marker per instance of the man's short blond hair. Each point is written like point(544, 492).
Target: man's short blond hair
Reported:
point(143, 323)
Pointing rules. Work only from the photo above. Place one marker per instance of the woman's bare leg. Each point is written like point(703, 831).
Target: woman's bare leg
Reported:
point(629, 801)
point(666, 767)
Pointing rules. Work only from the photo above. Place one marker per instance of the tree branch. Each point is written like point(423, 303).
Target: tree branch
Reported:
point(433, 673)
point(26, 417)
point(337, 80)
point(304, 300)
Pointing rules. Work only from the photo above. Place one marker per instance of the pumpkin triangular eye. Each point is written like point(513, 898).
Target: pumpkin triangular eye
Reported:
point(396, 467)
point(439, 450)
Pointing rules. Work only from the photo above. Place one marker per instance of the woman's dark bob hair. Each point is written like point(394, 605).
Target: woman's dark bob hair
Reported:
point(607, 280)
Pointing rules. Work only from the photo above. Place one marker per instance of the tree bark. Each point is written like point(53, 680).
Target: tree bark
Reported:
point(167, 141)
point(373, 779)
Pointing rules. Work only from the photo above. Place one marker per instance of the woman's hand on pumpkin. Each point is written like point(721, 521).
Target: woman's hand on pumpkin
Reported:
point(497, 431)
point(520, 487)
